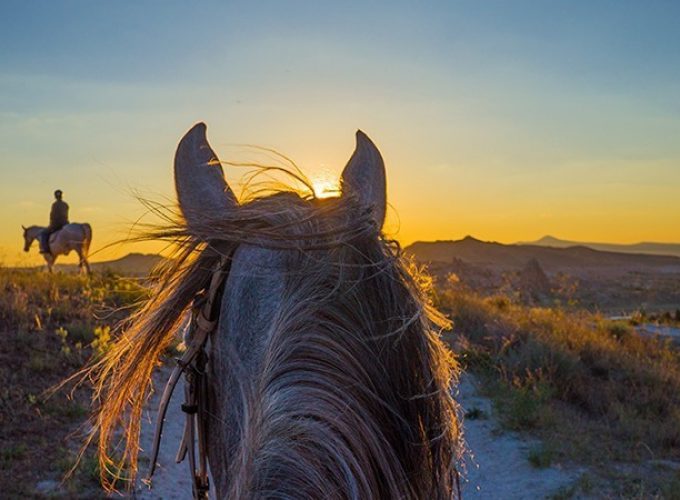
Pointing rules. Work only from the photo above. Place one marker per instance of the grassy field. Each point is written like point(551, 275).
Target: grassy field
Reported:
point(50, 325)
point(596, 393)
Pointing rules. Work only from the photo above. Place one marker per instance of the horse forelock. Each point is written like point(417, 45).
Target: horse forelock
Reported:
point(352, 396)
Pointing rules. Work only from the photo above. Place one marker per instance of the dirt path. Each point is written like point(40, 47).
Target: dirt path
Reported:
point(497, 468)
point(171, 480)
point(498, 465)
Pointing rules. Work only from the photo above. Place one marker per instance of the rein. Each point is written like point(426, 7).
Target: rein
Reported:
point(192, 364)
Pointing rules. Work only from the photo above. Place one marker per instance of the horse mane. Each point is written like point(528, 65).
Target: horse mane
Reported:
point(354, 397)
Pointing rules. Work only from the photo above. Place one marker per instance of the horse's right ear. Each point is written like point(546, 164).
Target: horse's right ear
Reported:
point(202, 192)
point(23, 227)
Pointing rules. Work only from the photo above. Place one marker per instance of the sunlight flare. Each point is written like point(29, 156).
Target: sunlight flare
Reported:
point(325, 187)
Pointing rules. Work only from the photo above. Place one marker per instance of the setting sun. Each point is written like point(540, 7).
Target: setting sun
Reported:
point(325, 187)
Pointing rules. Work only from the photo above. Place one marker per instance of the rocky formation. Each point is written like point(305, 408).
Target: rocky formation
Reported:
point(534, 285)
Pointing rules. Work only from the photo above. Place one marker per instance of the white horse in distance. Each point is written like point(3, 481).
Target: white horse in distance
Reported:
point(74, 236)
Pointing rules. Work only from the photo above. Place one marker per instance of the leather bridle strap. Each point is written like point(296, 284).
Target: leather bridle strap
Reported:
point(192, 364)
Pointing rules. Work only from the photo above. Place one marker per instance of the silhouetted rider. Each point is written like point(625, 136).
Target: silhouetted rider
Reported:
point(58, 219)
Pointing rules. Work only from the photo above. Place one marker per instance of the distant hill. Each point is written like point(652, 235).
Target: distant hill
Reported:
point(133, 264)
point(645, 247)
point(575, 260)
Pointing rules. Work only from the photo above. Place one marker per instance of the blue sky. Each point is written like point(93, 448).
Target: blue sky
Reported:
point(506, 120)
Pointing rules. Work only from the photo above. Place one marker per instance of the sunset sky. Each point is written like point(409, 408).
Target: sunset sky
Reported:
point(504, 120)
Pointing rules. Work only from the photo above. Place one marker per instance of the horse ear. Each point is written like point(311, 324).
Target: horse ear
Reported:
point(199, 180)
point(23, 227)
point(364, 177)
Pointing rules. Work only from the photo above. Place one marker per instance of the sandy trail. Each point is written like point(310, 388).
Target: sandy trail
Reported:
point(496, 468)
point(171, 480)
point(497, 465)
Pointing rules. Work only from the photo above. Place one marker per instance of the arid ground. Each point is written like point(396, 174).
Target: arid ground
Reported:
point(571, 385)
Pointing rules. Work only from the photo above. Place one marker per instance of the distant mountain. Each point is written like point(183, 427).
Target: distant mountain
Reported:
point(645, 247)
point(576, 260)
point(133, 264)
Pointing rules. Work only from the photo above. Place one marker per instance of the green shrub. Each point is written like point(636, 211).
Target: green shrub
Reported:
point(80, 331)
point(619, 330)
point(541, 456)
point(522, 406)
point(102, 339)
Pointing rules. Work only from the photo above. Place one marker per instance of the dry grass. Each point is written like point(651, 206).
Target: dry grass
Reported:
point(594, 390)
point(50, 325)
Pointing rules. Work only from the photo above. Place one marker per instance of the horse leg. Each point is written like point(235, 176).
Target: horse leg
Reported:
point(84, 264)
point(50, 262)
point(80, 261)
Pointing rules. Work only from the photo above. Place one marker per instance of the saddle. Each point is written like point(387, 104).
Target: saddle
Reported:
point(45, 238)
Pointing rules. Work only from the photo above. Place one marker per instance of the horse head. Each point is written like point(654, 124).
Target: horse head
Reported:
point(326, 375)
point(29, 236)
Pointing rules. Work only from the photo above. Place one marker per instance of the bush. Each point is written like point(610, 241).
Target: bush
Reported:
point(80, 331)
point(34, 300)
point(102, 340)
point(523, 407)
point(551, 361)
point(541, 456)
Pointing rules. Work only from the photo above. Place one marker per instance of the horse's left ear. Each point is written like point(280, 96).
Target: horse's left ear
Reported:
point(364, 177)
point(23, 227)
point(202, 191)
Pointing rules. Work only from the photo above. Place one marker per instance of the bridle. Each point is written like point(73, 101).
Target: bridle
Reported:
point(204, 317)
